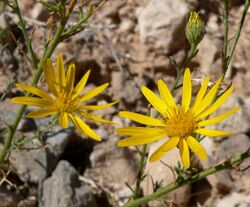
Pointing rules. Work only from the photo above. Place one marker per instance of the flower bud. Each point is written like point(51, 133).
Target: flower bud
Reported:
point(195, 29)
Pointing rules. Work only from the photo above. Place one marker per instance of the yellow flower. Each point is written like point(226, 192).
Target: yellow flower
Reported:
point(65, 100)
point(179, 122)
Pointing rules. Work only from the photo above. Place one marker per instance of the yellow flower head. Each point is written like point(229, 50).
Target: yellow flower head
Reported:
point(179, 122)
point(64, 99)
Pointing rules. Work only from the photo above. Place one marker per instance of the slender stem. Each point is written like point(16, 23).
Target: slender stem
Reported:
point(55, 41)
point(191, 53)
point(225, 41)
point(26, 36)
point(140, 174)
point(242, 20)
point(163, 191)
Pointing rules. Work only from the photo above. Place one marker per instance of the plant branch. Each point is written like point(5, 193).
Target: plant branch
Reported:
point(228, 164)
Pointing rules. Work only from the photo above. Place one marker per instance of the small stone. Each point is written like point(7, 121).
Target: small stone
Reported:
point(127, 25)
point(64, 189)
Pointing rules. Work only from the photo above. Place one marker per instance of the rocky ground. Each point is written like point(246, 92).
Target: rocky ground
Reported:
point(128, 44)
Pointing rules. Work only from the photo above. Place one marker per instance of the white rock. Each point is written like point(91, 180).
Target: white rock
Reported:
point(161, 21)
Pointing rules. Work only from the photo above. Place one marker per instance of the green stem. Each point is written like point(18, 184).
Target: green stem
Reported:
point(191, 54)
point(242, 20)
point(225, 41)
point(163, 191)
point(55, 41)
point(140, 174)
point(26, 36)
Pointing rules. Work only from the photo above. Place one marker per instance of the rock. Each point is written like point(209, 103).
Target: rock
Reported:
point(158, 172)
point(34, 163)
point(231, 124)
point(64, 189)
point(163, 21)
point(111, 167)
point(234, 200)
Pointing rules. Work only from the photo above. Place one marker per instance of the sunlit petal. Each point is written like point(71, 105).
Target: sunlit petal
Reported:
point(139, 140)
point(41, 113)
point(96, 118)
point(94, 92)
point(166, 95)
point(60, 71)
point(187, 90)
point(206, 101)
point(201, 93)
point(211, 132)
point(164, 148)
point(35, 91)
point(184, 153)
point(140, 131)
point(81, 84)
point(196, 147)
point(219, 118)
point(155, 101)
point(97, 107)
point(141, 118)
point(70, 78)
point(32, 101)
point(83, 128)
point(217, 103)
point(63, 120)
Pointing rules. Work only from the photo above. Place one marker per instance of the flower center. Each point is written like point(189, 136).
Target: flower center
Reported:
point(181, 124)
point(65, 103)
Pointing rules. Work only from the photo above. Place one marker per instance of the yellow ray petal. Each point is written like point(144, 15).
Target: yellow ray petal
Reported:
point(97, 107)
point(201, 93)
point(35, 91)
point(217, 103)
point(141, 118)
point(218, 118)
point(83, 128)
point(166, 95)
point(50, 76)
point(206, 101)
point(187, 90)
point(81, 84)
point(196, 147)
point(41, 113)
point(139, 140)
point(70, 78)
point(96, 118)
point(184, 153)
point(94, 92)
point(163, 149)
point(63, 120)
point(155, 101)
point(140, 131)
point(32, 101)
point(60, 71)
point(211, 132)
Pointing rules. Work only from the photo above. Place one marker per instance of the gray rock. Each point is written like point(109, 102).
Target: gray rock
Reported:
point(110, 168)
point(162, 21)
point(231, 124)
point(64, 189)
point(34, 163)
point(234, 200)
